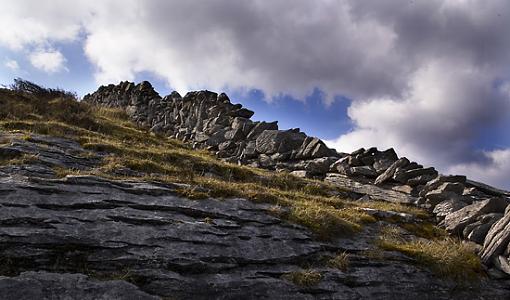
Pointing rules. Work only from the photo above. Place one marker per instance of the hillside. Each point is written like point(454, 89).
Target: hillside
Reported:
point(130, 195)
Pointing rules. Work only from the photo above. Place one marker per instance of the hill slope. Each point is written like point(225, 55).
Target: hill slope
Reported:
point(95, 205)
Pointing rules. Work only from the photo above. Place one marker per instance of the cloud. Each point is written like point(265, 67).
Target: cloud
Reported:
point(49, 61)
point(425, 77)
point(11, 64)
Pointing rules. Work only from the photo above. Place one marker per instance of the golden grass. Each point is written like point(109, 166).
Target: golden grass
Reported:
point(340, 261)
point(447, 257)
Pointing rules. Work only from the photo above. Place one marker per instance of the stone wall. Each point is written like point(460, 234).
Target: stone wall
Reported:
point(465, 208)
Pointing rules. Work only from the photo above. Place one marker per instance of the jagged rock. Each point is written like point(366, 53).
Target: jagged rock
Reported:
point(375, 192)
point(434, 184)
point(404, 176)
point(497, 239)
point(272, 141)
point(319, 166)
point(447, 207)
point(383, 160)
point(300, 173)
point(362, 171)
point(502, 264)
point(457, 221)
point(390, 172)
point(477, 231)
point(259, 128)
point(447, 190)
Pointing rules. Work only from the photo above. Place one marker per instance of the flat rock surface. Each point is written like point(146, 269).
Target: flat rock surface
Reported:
point(86, 237)
point(375, 192)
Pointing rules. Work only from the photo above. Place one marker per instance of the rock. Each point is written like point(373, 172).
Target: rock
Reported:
point(497, 239)
point(45, 285)
point(502, 264)
point(457, 221)
point(388, 174)
point(421, 179)
point(383, 160)
point(445, 191)
point(319, 166)
point(300, 173)
point(447, 207)
point(260, 127)
point(487, 189)
point(434, 184)
point(363, 171)
point(272, 141)
point(375, 192)
point(404, 176)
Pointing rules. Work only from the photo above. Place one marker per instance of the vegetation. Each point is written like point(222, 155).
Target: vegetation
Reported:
point(306, 278)
point(447, 257)
point(340, 261)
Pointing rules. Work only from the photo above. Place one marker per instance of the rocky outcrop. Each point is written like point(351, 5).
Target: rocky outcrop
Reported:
point(205, 119)
point(87, 237)
point(208, 120)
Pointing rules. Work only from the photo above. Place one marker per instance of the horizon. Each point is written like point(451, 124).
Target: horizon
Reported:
point(430, 79)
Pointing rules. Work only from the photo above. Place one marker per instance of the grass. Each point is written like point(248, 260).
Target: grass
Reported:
point(340, 261)
point(445, 256)
point(306, 278)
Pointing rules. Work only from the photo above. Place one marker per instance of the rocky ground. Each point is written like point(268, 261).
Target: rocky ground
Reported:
point(87, 237)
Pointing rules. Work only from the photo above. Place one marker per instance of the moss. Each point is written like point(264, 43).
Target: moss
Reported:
point(307, 278)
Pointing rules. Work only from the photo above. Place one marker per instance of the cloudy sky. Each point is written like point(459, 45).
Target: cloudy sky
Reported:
point(430, 78)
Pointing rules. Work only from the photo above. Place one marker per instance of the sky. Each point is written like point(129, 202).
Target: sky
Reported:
point(430, 78)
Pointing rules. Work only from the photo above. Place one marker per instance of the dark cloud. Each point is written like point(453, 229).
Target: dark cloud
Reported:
point(427, 77)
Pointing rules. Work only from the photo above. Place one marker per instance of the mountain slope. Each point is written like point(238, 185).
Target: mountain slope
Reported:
point(86, 191)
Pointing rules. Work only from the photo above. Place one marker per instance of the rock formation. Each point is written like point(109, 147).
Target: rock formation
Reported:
point(466, 208)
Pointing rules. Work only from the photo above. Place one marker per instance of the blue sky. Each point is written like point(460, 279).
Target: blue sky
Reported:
point(430, 78)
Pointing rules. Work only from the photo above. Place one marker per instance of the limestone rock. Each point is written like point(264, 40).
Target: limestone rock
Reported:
point(497, 239)
point(457, 221)
point(389, 173)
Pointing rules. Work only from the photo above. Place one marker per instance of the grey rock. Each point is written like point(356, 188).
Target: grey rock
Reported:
point(390, 172)
point(497, 239)
point(383, 160)
point(260, 127)
point(45, 285)
point(434, 184)
point(457, 221)
point(502, 264)
point(272, 141)
point(447, 207)
point(405, 175)
point(366, 171)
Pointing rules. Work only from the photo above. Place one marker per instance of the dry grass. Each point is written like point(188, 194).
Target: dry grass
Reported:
point(447, 257)
point(307, 278)
point(341, 261)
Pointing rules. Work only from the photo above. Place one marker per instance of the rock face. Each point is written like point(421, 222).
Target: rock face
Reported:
point(87, 237)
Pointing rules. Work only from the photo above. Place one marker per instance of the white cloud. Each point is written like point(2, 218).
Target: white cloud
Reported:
point(12, 64)
point(496, 171)
point(425, 77)
point(49, 61)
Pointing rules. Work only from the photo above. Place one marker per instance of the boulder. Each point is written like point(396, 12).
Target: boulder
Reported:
point(477, 231)
point(457, 221)
point(447, 190)
point(434, 184)
point(365, 171)
point(319, 166)
point(502, 264)
point(388, 174)
point(497, 239)
point(405, 175)
point(273, 141)
point(448, 206)
point(259, 127)
point(383, 160)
